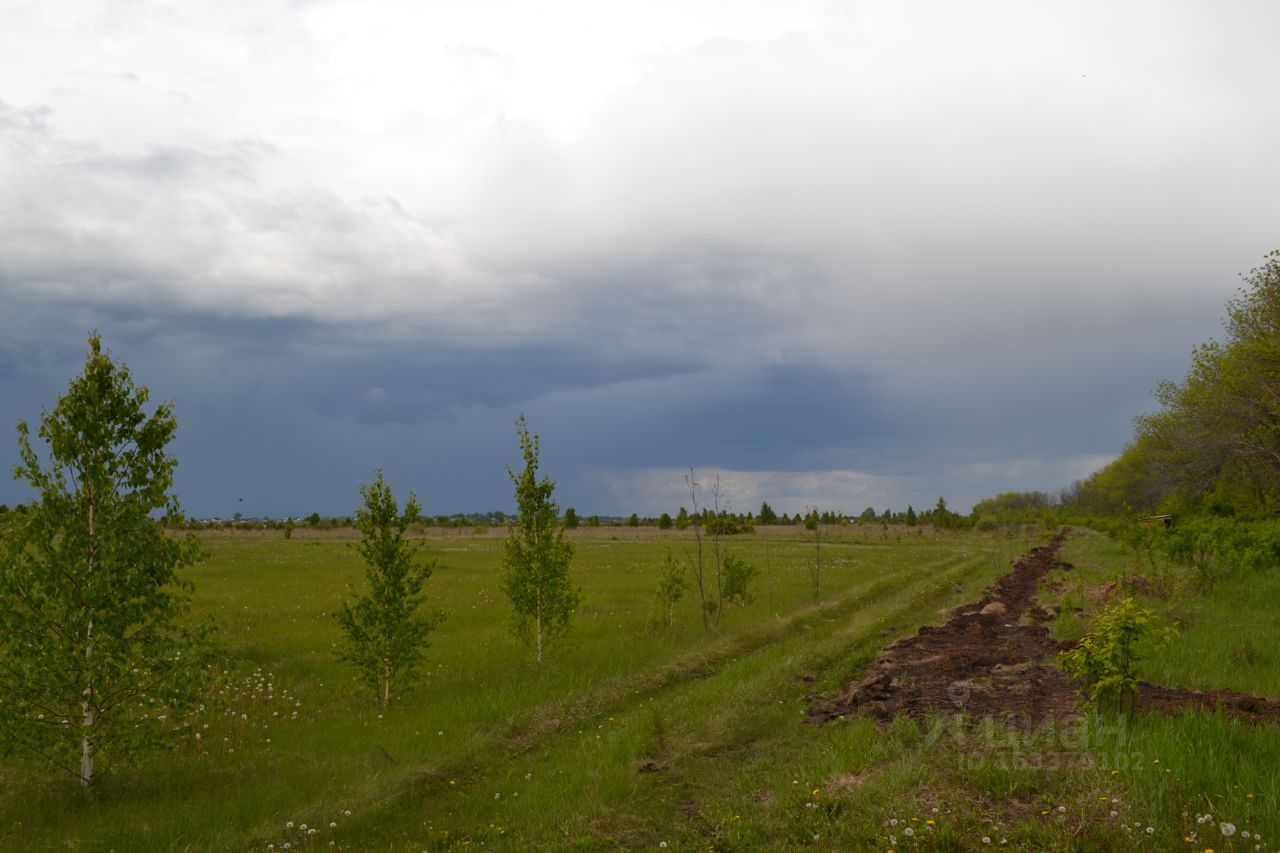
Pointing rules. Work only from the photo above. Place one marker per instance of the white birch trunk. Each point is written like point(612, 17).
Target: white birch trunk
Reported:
point(87, 714)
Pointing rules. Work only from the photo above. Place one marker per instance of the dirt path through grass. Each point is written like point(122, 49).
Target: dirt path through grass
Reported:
point(993, 659)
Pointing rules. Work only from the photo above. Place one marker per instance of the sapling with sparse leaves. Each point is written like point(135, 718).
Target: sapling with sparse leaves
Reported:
point(812, 521)
point(699, 570)
point(671, 586)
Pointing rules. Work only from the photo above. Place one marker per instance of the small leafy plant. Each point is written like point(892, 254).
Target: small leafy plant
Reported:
point(738, 574)
point(1106, 658)
point(671, 586)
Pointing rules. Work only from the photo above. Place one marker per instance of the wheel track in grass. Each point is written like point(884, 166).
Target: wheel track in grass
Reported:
point(848, 649)
point(925, 587)
point(629, 690)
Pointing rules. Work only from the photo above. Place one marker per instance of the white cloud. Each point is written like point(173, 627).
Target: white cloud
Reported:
point(656, 490)
point(397, 160)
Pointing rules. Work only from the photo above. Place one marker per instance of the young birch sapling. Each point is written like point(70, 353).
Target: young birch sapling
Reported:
point(384, 631)
point(536, 556)
point(671, 586)
point(97, 659)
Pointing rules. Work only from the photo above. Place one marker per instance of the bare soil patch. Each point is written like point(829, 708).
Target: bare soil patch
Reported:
point(991, 659)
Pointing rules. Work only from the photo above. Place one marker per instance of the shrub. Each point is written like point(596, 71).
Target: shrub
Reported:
point(727, 525)
point(1105, 659)
point(738, 574)
point(671, 586)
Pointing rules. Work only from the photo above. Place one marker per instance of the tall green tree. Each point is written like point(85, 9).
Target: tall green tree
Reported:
point(536, 557)
point(1216, 437)
point(385, 631)
point(96, 660)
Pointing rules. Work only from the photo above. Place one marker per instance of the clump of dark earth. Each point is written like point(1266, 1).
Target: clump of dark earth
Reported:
point(990, 660)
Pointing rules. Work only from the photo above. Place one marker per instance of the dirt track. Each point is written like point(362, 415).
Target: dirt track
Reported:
point(989, 659)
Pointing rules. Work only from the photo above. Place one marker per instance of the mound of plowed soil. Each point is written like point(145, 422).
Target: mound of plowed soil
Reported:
point(1237, 704)
point(990, 660)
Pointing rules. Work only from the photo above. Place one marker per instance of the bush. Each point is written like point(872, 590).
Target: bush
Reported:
point(671, 586)
point(738, 574)
point(1105, 659)
point(727, 525)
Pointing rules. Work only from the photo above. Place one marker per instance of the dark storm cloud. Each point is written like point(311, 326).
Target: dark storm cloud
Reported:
point(873, 252)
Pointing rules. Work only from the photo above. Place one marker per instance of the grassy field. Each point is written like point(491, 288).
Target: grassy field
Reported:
point(630, 737)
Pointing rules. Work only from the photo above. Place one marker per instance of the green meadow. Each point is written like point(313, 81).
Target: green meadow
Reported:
point(635, 736)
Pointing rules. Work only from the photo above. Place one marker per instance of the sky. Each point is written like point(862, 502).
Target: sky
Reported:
point(841, 254)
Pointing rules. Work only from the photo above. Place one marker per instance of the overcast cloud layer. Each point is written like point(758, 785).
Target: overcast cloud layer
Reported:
point(849, 254)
